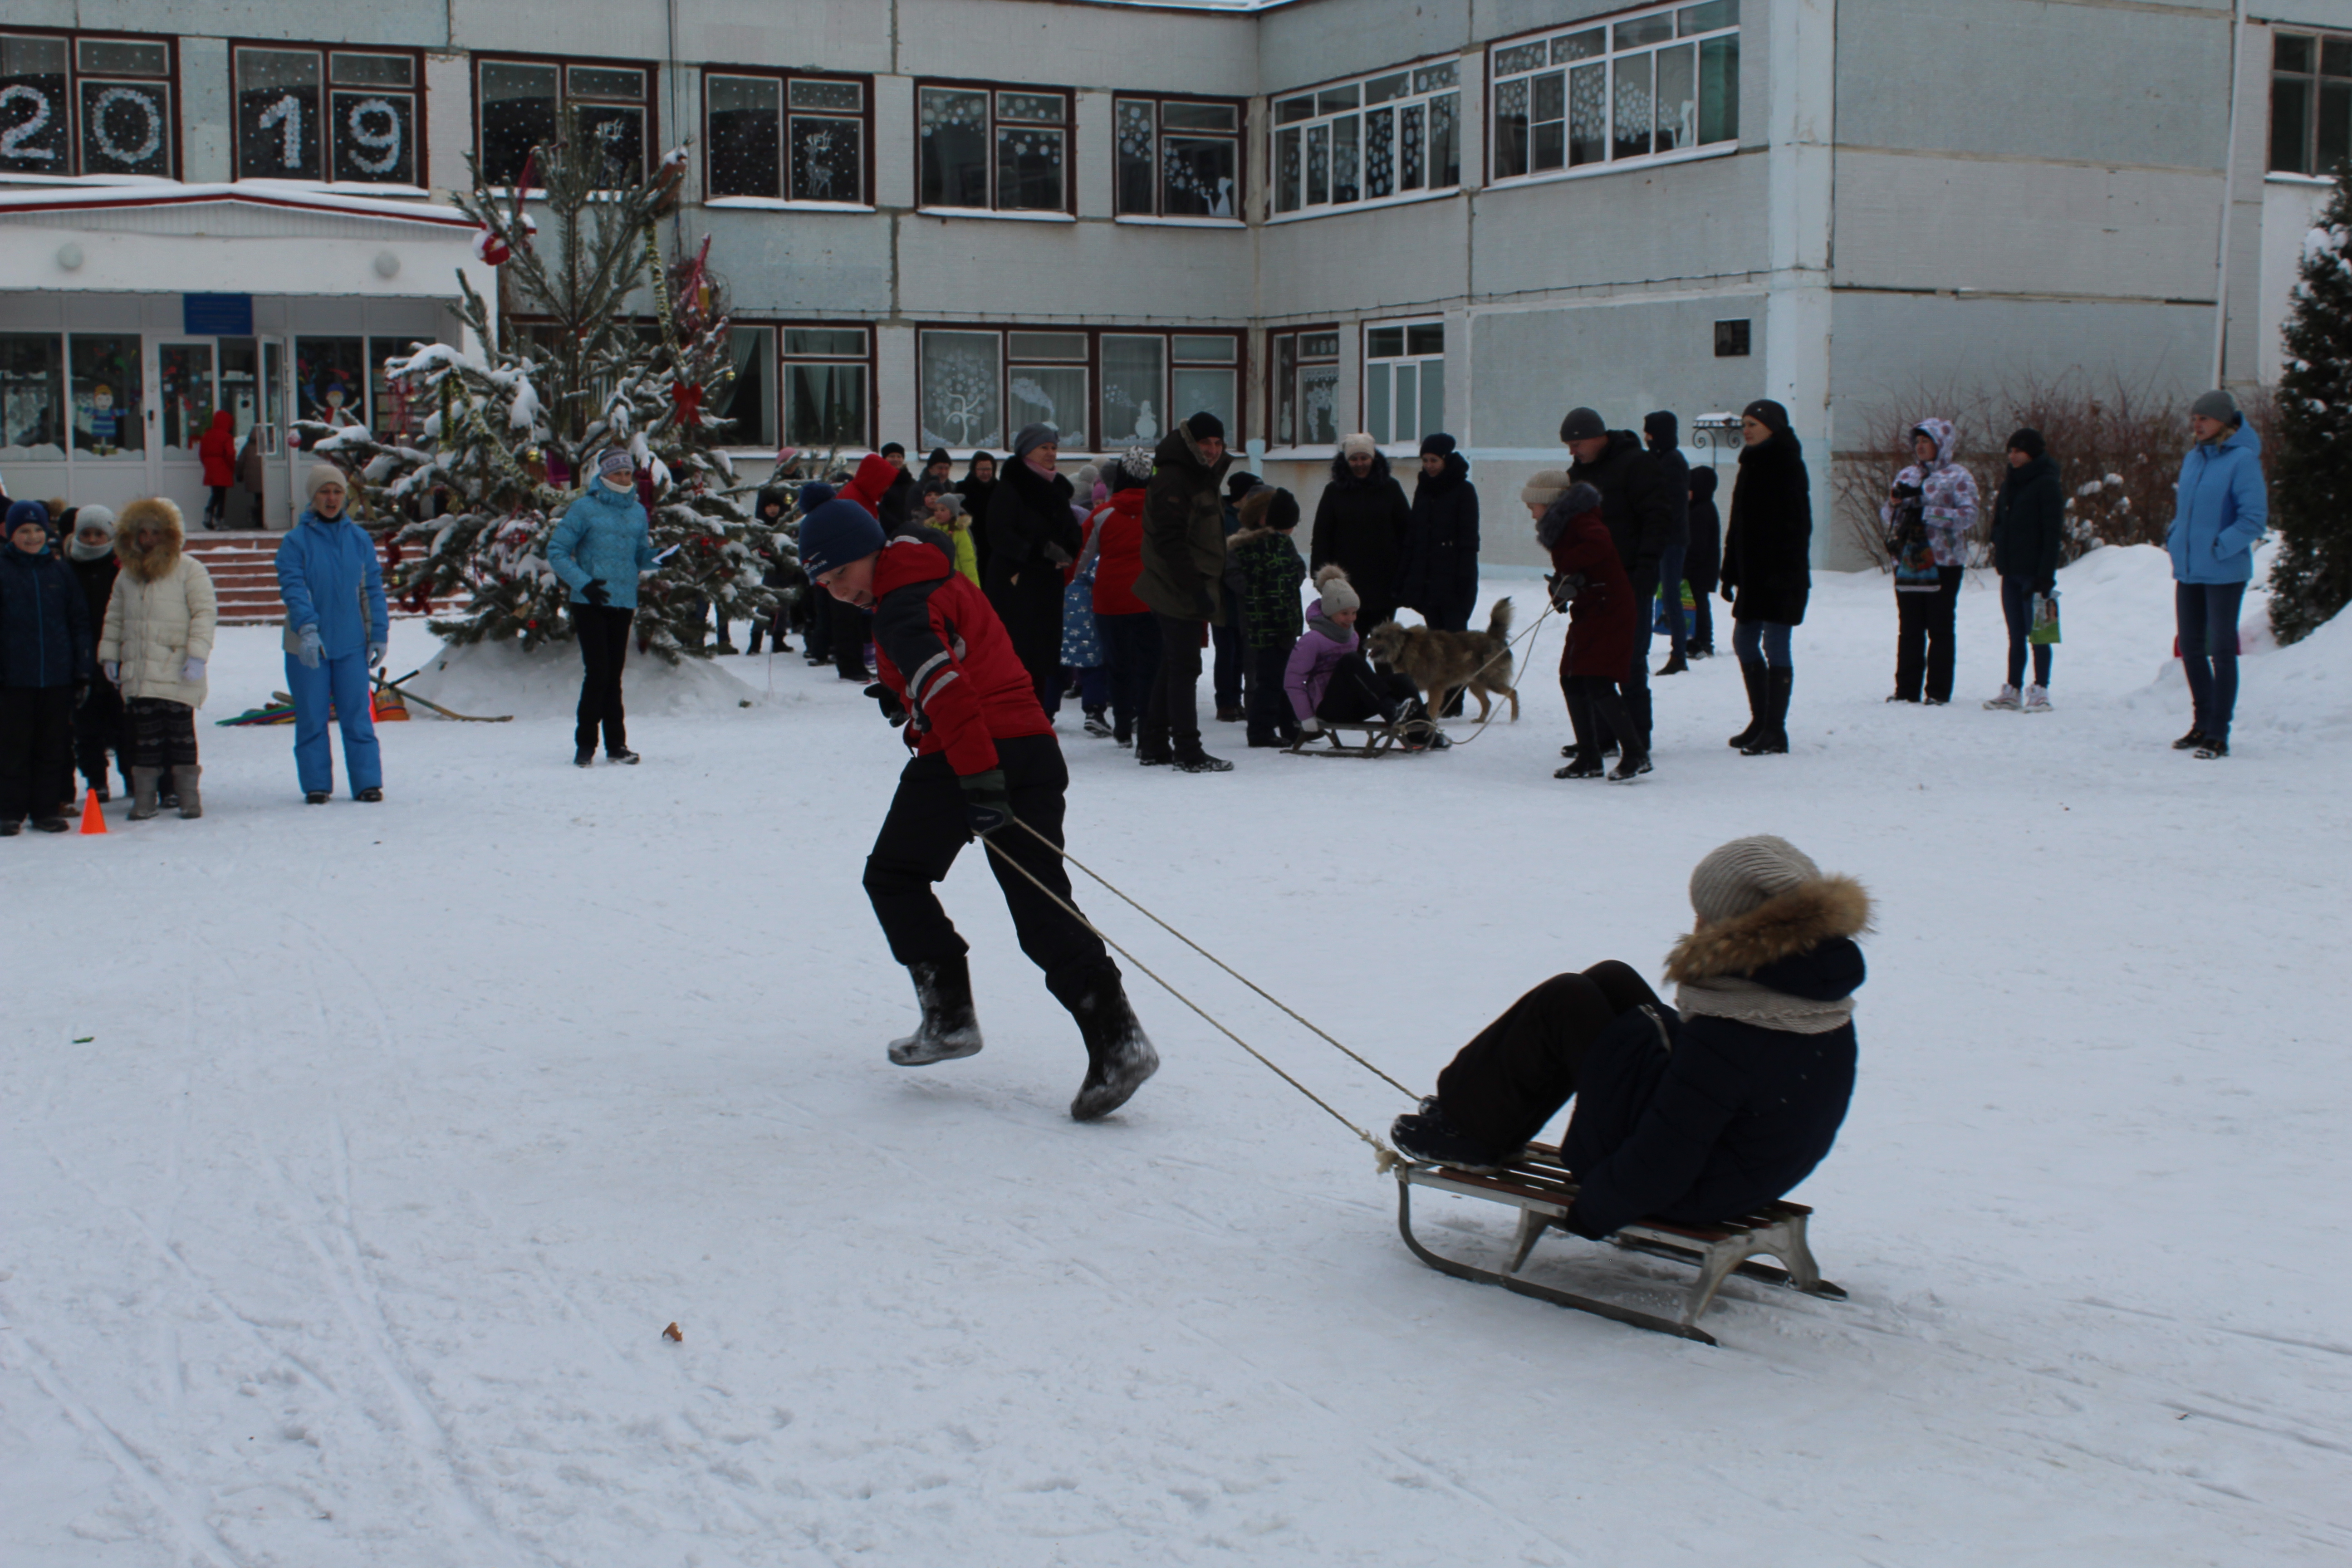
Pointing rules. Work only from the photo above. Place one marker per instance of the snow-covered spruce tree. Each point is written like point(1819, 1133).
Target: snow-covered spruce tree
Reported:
point(2311, 469)
point(510, 436)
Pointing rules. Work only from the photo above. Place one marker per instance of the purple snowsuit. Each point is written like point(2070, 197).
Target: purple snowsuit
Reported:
point(1308, 673)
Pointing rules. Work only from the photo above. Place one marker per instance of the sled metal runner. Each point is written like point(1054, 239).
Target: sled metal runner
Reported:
point(1380, 739)
point(1541, 1189)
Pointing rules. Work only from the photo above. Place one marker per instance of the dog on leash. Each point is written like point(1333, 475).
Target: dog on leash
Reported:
point(1443, 663)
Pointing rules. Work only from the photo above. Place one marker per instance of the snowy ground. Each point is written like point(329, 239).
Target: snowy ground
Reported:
point(352, 1159)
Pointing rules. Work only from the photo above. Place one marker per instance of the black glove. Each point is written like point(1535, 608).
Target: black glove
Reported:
point(2047, 586)
point(1730, 593)
point(1565, 587)
point(987, 802)
point(1208, 603)
point(596, 593)
point(81, 692)
point(892, 708)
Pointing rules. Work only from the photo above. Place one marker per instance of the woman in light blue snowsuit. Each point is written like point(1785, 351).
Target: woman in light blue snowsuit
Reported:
point(336, 628)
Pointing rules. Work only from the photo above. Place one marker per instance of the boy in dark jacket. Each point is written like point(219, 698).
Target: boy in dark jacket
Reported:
point(45, 664)
point(1724, 1102)
point(2029, 524)
point(986, 766)
point(1269, 565)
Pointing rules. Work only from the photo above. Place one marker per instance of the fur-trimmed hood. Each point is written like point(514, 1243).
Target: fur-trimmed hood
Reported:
point(1788, 926)
point(1574, 502)
point(171, 536)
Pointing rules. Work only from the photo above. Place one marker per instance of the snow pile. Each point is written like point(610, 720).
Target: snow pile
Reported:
point(487, 679)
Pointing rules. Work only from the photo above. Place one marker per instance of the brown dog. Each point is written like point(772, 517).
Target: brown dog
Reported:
point(1443, 663)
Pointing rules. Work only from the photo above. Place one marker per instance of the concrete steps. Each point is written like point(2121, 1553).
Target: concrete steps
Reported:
point(245, 577)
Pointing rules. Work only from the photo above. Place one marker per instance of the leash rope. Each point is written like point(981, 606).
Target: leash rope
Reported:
point(1384, 1157)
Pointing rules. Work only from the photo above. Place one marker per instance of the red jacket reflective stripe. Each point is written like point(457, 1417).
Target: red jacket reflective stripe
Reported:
point(941, 647)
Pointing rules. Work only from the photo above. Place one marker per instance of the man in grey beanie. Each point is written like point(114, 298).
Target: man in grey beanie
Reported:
point(1707, 1108)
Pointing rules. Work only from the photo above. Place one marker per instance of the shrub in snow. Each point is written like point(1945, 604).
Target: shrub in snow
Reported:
point(2311, 461)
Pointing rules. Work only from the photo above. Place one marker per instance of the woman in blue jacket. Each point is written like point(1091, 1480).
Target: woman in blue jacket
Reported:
point(600, 545)
point(2221, 511)
point(336, 627)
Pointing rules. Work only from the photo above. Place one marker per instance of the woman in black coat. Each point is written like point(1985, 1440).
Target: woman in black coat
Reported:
point(1359, 525)
point(1439, 574)
point(1032, 534)
point(2029, 524)
point(1767, 570)
point(1704, 564)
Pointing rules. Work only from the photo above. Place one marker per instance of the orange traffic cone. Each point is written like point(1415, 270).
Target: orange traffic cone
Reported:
point(92, 820)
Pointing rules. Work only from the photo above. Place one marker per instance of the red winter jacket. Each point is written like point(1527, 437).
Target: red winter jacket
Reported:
point(1602, 620)
point(1121, 552)
point(216, 449)
point(941, 648)
point(876, 474)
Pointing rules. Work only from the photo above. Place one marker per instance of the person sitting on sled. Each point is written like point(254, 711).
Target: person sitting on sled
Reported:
point(1725, 1101)
point(986, 766)
point(1329, 680)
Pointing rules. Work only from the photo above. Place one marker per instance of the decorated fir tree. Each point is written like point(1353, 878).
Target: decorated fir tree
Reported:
point(2311, 469)
point(508, 438)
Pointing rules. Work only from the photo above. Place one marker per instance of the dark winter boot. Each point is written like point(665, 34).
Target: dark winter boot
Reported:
point(1675, 665)
point(949, 1029)
point(192, 800)
point(1119, 1056)
point(1772, 736)
point(142, 793)
point(1753, 675)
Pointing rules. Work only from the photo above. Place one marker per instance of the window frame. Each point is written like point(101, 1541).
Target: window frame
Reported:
point(1364, 372)
point(1066, 212)
point(1159, 213)
point(564, 65)
point(785, 360)
point(784, 77)
point(1606, 61)
point(74, 38)
point(2315, 81)
point(1277, 127)
point(1089, 440)
point(421, 151)
point(1273, 340)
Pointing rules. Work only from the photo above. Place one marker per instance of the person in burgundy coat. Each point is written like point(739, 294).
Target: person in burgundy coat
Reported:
point(1590, 582)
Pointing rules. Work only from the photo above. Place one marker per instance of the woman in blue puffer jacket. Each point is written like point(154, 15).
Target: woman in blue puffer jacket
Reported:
point(336, 625)
point(2222, 510)
point(599, 546)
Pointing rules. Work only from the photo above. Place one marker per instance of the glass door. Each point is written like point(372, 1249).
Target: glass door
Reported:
point(244, 400)
point(187, 387)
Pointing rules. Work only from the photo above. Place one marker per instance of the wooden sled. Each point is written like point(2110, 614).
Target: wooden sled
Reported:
point(1541, 1188)
point(1380, 739)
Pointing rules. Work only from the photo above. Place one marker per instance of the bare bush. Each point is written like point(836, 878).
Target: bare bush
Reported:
point(2117, 446)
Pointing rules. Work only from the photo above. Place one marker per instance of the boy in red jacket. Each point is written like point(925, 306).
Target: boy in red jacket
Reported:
point(986, 764)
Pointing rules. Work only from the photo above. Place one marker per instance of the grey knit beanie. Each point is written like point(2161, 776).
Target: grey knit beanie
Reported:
point(1339, 594)
point(1745, 873)
point(2216, 405)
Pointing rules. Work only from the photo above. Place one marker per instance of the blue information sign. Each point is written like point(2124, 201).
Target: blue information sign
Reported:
point(216, 315)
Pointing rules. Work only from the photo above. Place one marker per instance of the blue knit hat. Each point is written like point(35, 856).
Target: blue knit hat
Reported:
point(835, 534)
point(32, 511)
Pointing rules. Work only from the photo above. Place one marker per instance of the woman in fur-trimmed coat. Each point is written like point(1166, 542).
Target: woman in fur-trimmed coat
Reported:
point(1694, 1112)
point(157, 639)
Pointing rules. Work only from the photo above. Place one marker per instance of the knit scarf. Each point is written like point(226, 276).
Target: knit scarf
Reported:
point(1745, 1002)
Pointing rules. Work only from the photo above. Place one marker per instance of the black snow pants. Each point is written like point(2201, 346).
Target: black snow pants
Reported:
point(36, 749)
point(603, 632)
point(1502, 1086)
point(926, 829)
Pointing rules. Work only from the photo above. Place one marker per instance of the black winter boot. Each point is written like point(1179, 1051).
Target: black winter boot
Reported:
point(1772, 736)
point(1753, 675)
point(1118, 1055)
point(949, 1029)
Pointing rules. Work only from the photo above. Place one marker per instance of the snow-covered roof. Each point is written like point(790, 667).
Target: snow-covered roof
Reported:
point(284, 196)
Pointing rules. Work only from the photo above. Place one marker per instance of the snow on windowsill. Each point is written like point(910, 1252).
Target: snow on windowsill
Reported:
point(781, 204)
point(1329, 210)
point(1141, 221)
point(991, 212)
point(1616, 166)
point(2288, 177)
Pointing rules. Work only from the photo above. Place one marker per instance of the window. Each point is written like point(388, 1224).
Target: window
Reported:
point(2310, 104)
point(1404, 381)
point(827, 374)
point(1732, 339)
point(74, 104)
point(1366, 141)
point(348, 116)
point(1177, 159)
point(1305, 370)
point(32, 395)
point(1005, 149)
point(331, 380)
point(786, 136)
point(520, 103)
point(109, 395)
point(1660, 82)
point(1102, 389)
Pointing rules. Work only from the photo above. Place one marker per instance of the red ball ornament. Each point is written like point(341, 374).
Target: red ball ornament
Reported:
point(489, 245)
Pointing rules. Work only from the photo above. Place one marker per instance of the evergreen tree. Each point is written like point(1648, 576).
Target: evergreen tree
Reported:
point(2311, 471)
point(510, 436)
